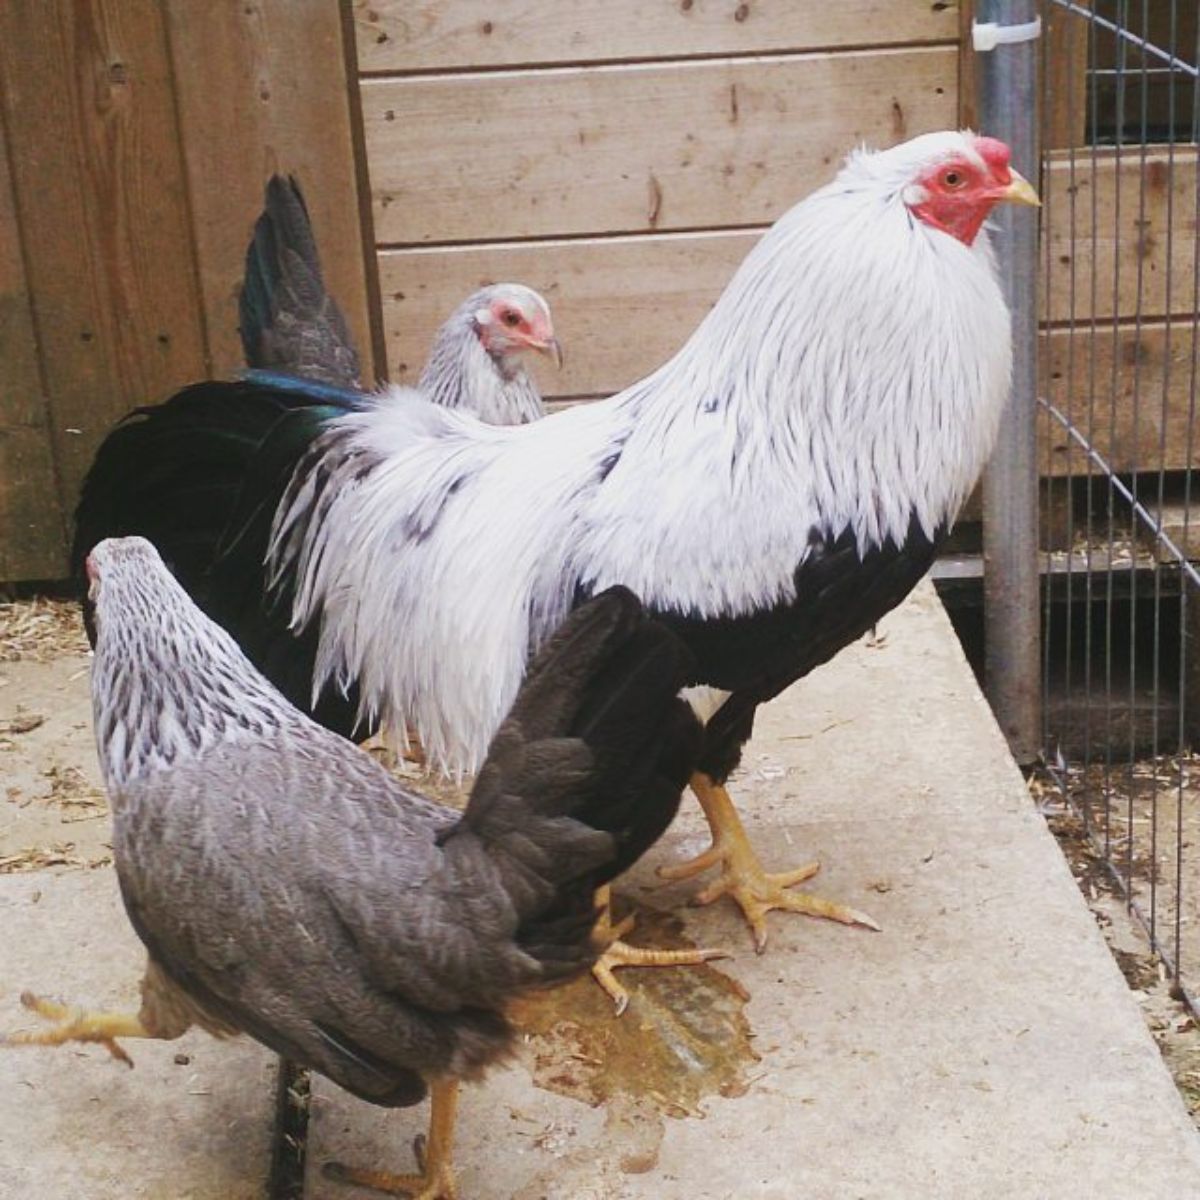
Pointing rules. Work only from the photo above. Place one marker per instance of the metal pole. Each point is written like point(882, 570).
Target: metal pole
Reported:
point(1008, 109)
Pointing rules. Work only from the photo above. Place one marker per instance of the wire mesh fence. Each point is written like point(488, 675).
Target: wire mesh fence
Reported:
point(1120, 354)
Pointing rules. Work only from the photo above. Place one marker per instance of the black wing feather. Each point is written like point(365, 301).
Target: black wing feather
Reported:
point(606, 683)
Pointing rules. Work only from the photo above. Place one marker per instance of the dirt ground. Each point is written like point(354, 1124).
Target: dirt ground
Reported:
point(1147, 801)
point(53, 816)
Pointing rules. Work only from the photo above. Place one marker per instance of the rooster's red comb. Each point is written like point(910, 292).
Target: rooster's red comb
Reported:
point(995, 153)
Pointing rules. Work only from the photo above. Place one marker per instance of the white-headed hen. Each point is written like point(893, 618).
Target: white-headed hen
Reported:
point(290, 323)
point(201, 474)
point(770, 492)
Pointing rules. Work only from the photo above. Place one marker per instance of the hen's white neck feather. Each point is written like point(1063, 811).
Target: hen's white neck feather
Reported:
point(167, 683)
point(461, 374)
point(850, 377)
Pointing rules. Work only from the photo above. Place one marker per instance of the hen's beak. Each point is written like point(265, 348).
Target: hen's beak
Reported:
point(551, 349)
point(93, 577)
point(1020, 191)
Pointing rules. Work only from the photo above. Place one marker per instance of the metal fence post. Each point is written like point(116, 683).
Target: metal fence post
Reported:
point(1008, 109)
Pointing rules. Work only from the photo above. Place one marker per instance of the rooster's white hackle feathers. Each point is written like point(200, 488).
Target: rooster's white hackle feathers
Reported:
point(850, 377)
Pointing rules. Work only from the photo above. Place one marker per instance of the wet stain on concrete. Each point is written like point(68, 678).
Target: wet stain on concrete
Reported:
point(683, 1038)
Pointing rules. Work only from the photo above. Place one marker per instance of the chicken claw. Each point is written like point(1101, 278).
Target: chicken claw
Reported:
point(433, 1185)
point(756, 891)
point(77, 1025)
point(620, 954)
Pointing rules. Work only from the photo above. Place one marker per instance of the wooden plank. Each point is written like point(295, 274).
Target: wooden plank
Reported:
point(623, 149)
point(621, 305)
point(263, 87)
point(1131, 200)
point(967, 83)
point(403, 35)
point(1064, 70)
point(1181, 524)
point(102, 207)
point(32, 531)
point(1137, 401)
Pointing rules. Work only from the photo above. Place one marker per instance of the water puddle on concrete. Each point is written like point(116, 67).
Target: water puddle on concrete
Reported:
point(683, 1038)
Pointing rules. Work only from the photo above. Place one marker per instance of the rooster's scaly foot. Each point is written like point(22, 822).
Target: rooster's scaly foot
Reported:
point(742, 877)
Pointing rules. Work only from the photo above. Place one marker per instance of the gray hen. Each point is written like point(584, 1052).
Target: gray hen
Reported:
point(287, 887)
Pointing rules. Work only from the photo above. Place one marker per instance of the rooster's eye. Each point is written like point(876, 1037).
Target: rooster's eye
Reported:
point(510, 318)
point(953, 179)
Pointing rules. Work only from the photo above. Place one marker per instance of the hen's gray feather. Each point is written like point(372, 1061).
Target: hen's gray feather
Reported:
point(301, 891)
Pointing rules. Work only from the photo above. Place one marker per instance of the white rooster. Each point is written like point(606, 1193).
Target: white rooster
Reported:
point(770, 492)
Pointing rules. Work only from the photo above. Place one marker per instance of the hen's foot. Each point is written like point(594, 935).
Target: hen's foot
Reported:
point(432, 1185)
point(436, 1181)
point(621, 954)
point(756, 891)
point(409, 753)
point(77, 1025)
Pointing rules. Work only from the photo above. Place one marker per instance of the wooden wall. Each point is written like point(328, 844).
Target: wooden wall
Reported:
point(620, 157)
point(135, 139)
point(1119, 305)
point(623, 158)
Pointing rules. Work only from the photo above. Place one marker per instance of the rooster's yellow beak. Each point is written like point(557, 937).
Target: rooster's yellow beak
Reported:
point(1020, 191)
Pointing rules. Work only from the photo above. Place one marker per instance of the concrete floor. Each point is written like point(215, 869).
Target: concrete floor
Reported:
point(983, 1045)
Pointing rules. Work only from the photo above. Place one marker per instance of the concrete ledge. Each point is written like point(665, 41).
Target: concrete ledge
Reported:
point(983, 1045)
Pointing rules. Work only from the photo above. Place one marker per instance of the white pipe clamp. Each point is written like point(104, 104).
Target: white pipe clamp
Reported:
point(990, 34)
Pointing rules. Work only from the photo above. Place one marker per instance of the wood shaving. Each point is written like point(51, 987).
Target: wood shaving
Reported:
point(23, 722)
point(37, 858)
point(40, 629)
point(70, 789)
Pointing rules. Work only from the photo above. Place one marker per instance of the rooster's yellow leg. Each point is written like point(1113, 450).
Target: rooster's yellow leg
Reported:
point(436, 1181)
point(620, 954)
point(742, 875)
point(389, 756)
point(78, 1025)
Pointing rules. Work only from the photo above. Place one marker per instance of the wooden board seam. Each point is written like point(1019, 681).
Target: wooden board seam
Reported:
point(370, 79)
point(1182, 321)
point(376, 368)
point(567, 239)
point(535, 67)
point(204, 317)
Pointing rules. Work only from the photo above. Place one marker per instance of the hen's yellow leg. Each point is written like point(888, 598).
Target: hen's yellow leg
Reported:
point(742, 875)
point(78, 1025)
point(620, 954)
point(436, 1181)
